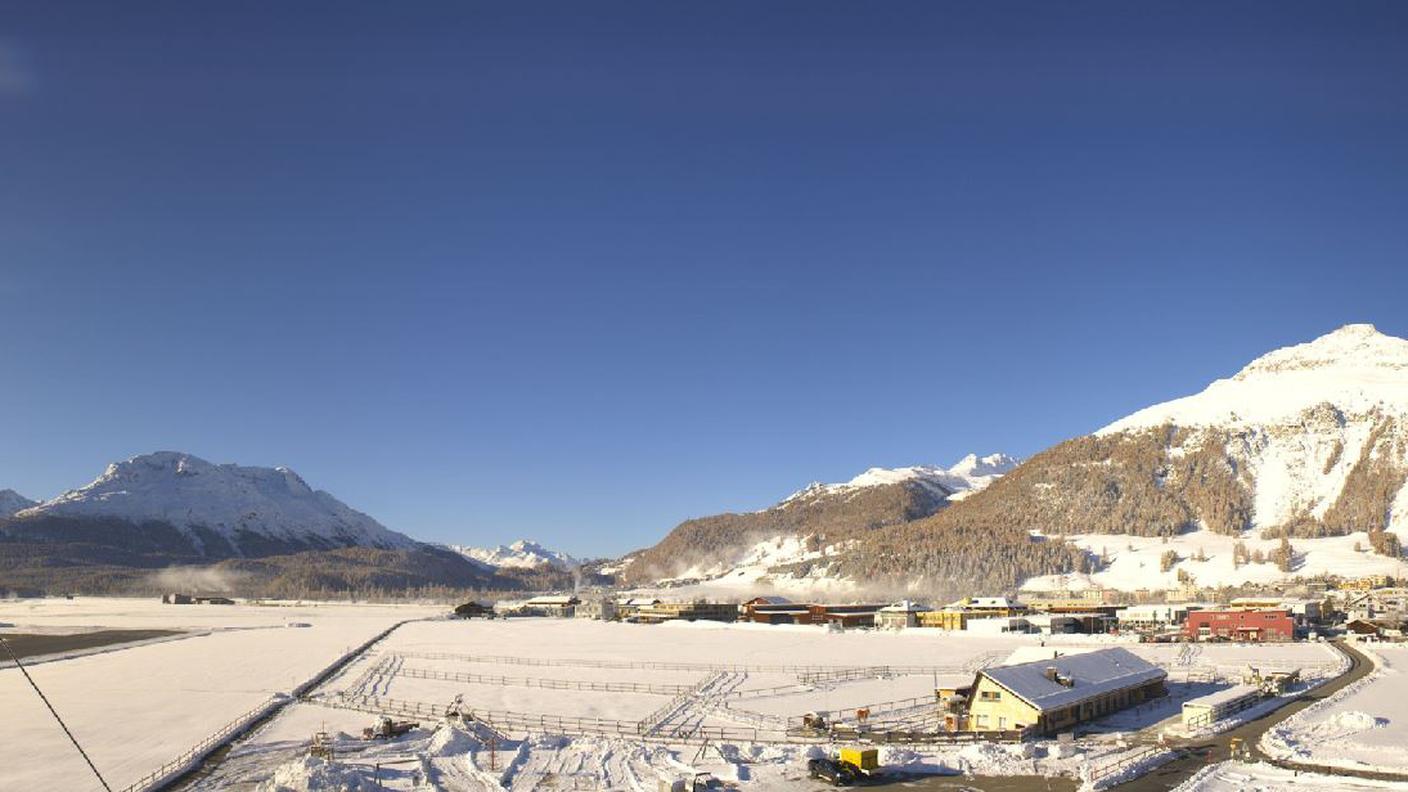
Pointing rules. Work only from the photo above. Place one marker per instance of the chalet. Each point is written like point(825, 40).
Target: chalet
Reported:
point(1376, 603)
point(852, 615)
point(1240, 625)
point(474, 610)
point(1051, 695)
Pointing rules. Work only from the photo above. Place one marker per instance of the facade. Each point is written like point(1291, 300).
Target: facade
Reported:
point(899, 614)
point(598, 608)
point(1377, 603)
point(1151, 617)
point(626, 609)
point(1305, 612)
point(774, 610)
point(560, 606)
point(1069, 623)
point(1240, 625)
point(997, 625)
point(1047, 696)
point(946, 619)
point(990, 606)
point(688, 611)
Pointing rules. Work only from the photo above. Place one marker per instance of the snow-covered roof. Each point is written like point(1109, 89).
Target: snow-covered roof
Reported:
point(904, 606)
point(986, 602)
point(770, 600)
point(1090, 673)
point(1223, 696)
point(553, 599)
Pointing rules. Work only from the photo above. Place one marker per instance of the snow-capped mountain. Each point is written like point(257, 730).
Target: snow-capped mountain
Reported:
point(217, 505)
point(522, 554)
point(812, 524)
point(11, 502)
point(969, 475)
point(1309, 442)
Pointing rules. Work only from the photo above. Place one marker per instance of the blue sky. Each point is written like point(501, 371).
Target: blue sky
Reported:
point(579, 271)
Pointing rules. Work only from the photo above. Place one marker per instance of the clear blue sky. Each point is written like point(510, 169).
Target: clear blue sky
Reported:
point(579, 271)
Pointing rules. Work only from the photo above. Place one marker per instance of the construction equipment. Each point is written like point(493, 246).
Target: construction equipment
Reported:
point(862, 761)
point(321, 746)
point(386, 729)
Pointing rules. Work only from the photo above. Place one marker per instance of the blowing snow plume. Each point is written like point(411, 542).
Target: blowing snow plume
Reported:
point(197, 579)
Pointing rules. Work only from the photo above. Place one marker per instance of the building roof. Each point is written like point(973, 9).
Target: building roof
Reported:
point(553, 599)
point(903, 606)
point(986, 602)
point(1091, 673)
point(771, 600)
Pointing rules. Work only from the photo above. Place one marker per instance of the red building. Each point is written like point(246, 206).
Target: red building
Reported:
point(1240, 625)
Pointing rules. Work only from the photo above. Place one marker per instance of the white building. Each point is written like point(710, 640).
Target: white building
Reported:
point(900, 614)
point(998, 625)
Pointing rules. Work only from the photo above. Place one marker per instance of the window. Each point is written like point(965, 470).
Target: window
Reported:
point(1002, 723)
point(989, 695)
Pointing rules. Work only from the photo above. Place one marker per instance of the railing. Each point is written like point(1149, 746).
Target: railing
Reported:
point(647, 665)
point(174, 769)
point(550, 724)
point(1118, 765)
point(553, 684)
point(163, 774)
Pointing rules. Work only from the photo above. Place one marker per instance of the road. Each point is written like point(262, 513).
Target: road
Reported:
point(1199, 753)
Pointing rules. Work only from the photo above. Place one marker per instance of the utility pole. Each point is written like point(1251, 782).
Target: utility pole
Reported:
point(52, 711)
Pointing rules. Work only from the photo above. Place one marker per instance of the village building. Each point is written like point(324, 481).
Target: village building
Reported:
point(598, 608)
point(1378, 603)
point(474, 610)
point(979, 607)
point(628, 607)
point(214, 601)
point(1070, 623)
point(899, 614)
point(944, 619)
point(998, 625)
point(687, 611)
point(1240, 625)
point(1071, 605)
point(1052, 695)
point(773, 610)
point(1152, 617)
point(560, 606)
point(178, 599)
point(1305, 612)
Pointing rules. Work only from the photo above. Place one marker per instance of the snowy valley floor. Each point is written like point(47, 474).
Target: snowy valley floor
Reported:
point(553, 704)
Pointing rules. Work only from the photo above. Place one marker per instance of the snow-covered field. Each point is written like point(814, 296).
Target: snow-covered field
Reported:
point(453, 757)
point(137, 708)
point(627, 700)
point(1364, 726)
point(1262, 777)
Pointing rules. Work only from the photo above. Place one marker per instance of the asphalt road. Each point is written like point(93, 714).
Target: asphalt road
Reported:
point(32, 645)
point(1199, 753)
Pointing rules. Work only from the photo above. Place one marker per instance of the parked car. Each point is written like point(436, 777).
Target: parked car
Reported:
point(837, 773)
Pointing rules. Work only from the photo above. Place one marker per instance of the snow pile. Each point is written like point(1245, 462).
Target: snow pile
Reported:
point(188, 492)
point(523, 554)
point(311, 774)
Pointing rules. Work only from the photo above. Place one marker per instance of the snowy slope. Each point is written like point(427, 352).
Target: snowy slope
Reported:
point(187, 492)
point(969, 475)
point(523, 554)
point(11, 502)
point(1301, 426)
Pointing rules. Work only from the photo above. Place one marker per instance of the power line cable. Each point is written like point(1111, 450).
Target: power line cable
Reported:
point(54, 712)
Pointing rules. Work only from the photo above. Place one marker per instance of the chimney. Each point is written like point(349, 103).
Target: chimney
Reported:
point(1050, 673)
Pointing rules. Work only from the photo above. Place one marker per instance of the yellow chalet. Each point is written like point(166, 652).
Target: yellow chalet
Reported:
point(1058, 693)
